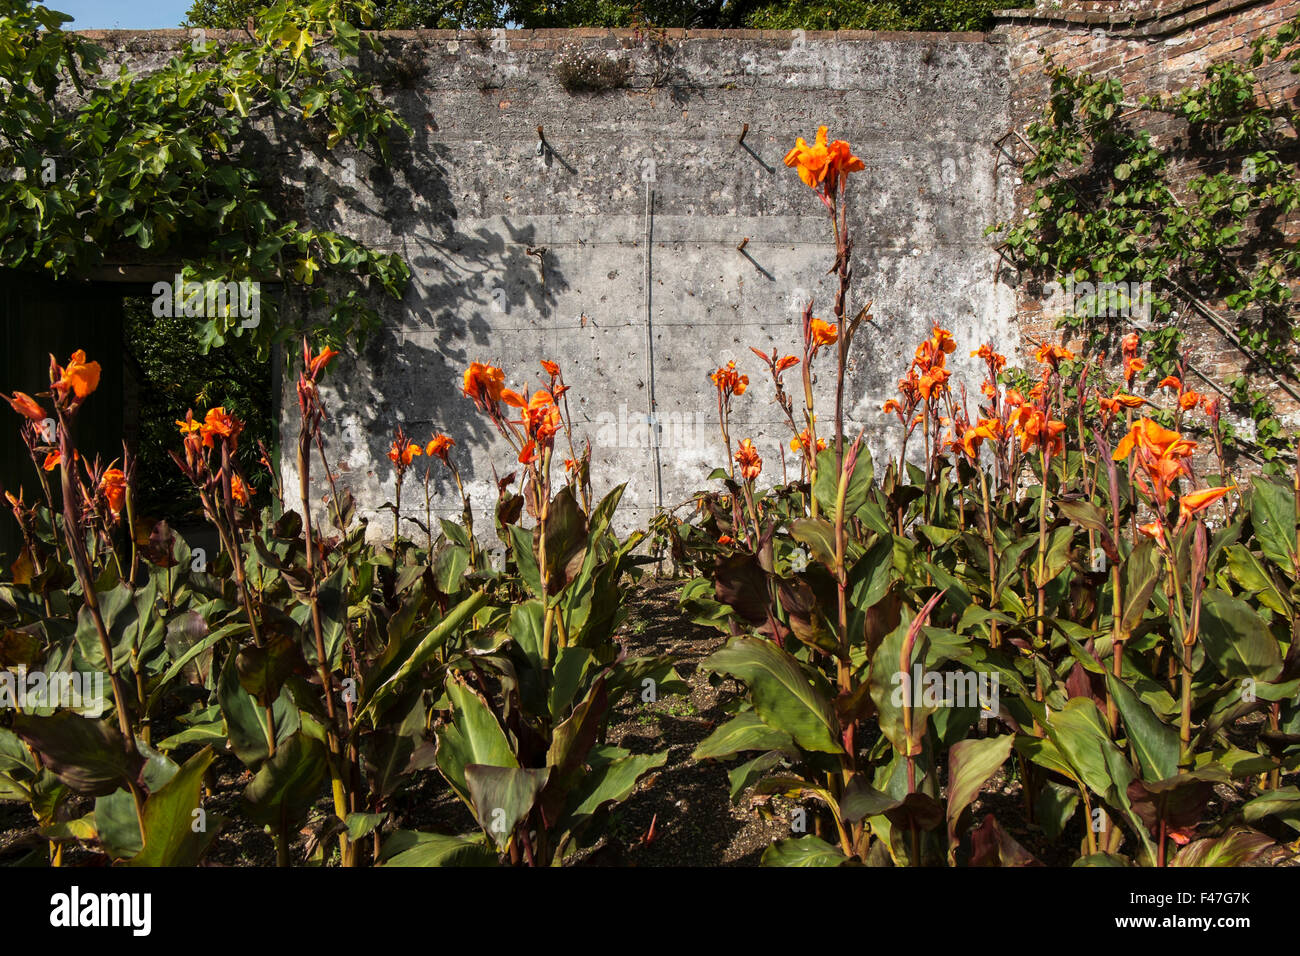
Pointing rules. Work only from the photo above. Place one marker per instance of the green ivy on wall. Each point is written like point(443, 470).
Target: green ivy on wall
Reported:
point(1198, 218)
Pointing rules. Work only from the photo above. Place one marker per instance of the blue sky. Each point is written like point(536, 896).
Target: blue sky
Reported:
point(121, 14)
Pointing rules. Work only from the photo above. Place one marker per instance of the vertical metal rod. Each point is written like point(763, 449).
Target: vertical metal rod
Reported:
point(651, 404)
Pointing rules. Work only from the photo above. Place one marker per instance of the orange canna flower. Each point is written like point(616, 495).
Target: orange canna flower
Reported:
point(551, 368)
point(112, 485)
point(1036, 430)
point(188, 425)
point(1171, 382)
point(439, 447)
point(933, 383)
point(319, 361)
point(484, 384)
point(80, 376)
point(570, 465)
point(1154, 530)
point(1131, 367)
point(729, 381)
point(52, 460)
point(1189, 400)
point(823, 333)
point(26, 406)
point(403, 452)
point(823, 164)
point(891, 406)
point(1053, 355)
point(239, 490)
point(528, 454)
point(995, 359)
point(219, 423)
point(1153, 441)
point(1129, 401)
point(1194, 502)
point(1211, 406)
point(800, 441)
point(1129, 345)
point(1014, 398)
point(751, 466)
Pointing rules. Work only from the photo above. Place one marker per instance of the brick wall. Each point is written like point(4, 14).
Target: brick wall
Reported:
point(1151, 46)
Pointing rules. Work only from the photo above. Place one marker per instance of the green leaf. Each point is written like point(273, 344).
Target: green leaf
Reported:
point(1155, 744)
point(1235, 639)
point(1237, 847)
point(803, 851)
point(411, 848)
point(472, 737)
point(971, 763)
point(502, 797)
point(783, 695)
point(174, 833)
point(287, 783)
point(819, 535)
point(87, 755)
point(745, 731)
point(1272, 513)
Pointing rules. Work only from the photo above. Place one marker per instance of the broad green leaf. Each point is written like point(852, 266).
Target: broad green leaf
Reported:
point(784, 696)
point(971, 763)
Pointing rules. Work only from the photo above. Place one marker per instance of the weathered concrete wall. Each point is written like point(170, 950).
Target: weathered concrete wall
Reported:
point(639, 204)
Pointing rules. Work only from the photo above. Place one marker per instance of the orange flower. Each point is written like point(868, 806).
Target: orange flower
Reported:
point(729, 381)
point(1211, 406)
point(219, 423)
point(1131, 367)
point(996, 360)
point(801, 441)
point(402, 452)
point(891, 406)
point(79, 375)
point(239, 490)
point(551, 368)
point(439, 447)
point(1194, 502)
point(1129, 345)
point(1189, 400)
point(1014, 398)
point(319, 362)
point(188, 425)
point(1035, 429)
point(1109, 406)
point(1153, 441)
point(1154, 530)
point(747, 458)
point(1053, 355)
point(484, 384)
point(823, 333)
point(1171, 382)
point(823, 163)
point(933, 383)
point(52, 460)
point(26, 406)
point(112, 485)
point(1129, 401)
point(570, 465)
point(528, 454)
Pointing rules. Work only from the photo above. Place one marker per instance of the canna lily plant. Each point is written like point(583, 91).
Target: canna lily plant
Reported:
point(1043, 594)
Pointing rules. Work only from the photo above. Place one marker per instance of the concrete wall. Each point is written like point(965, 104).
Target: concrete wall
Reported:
point(640, 202)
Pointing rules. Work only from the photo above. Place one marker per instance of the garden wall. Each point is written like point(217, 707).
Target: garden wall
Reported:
point(1151, 47)
point(631, 234)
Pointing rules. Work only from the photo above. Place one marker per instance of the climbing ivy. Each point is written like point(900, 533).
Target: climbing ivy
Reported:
point(1125, 195)
point(163, 165)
